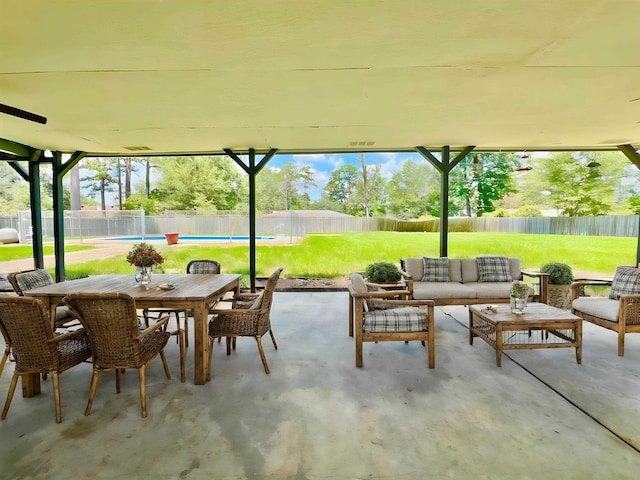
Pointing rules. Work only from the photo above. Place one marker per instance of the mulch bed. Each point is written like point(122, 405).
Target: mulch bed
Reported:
point(293, 284)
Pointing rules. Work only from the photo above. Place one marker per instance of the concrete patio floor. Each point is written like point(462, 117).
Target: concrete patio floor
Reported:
point(316, 416)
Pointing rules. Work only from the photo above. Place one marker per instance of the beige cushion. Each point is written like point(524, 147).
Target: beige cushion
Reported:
point(438, 290)
point(490, 289)
point(469, 269)
point(414, 267)
point(359, 286)
point(514, 268)
point(600, 307)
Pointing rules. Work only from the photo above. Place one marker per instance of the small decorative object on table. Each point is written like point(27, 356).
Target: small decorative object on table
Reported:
point(519, 295)
point(144, 256)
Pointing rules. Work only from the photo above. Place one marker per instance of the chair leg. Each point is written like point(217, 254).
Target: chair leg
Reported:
point(5, 357)
point(117, 380)
point(229, 339)
point(273, 338)
point(142, 376)
point(55, 380)
point(211, 342)
point(186, 324)
point(262, 356)
point(165, 364)
point(12, 389)
point(94, 387)
point(181, 335)
point(621, 344)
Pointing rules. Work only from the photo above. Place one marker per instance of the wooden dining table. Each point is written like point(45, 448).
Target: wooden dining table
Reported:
point(191, 291)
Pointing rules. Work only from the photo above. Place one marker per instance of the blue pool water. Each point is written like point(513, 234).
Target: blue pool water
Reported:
point(218, 238)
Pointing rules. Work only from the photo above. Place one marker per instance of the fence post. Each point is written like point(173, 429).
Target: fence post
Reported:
point(142, 227)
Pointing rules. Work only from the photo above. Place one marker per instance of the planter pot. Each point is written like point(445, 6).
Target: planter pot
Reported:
point(172, 238)
point(559, 296)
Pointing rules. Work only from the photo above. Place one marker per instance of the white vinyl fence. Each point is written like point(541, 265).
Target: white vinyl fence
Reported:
point(296, 224)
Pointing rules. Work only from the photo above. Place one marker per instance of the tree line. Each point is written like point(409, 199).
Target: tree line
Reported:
point(494, 183)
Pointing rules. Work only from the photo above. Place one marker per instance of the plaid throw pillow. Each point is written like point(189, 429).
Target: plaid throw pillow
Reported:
point(435, 269)
point(626, 281)
point(493, 269)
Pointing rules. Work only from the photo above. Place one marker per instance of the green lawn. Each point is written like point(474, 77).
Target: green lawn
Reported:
point(337, 255)
point(15, 251)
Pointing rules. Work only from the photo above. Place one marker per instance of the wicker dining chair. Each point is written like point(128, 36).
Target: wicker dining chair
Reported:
point(117, 342)
point(253, 322)
point(26, 322)
point(195, 267)
point(27, 279)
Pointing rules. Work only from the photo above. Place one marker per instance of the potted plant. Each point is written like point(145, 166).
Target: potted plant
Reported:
point(382, 272)
point(144, 256)
point(558, 289)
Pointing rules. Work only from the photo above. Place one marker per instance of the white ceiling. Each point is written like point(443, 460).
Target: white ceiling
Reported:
point(186, 76)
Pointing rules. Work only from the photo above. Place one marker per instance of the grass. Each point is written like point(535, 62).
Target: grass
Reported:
point(16, 252)
point(338, 255)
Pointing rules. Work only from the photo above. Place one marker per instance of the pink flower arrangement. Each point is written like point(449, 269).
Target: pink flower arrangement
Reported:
point(520, 289)
point(144, 255)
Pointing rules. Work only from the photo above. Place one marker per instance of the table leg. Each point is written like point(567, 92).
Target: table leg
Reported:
point(578, 335)
point(498, 346)
point(201, 348)
point(470, 328)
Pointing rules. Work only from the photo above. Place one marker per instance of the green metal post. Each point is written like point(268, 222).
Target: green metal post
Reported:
point(58, 217)
point(252, 170)
point(36, 210)
point(59, 171)
point(444, 166)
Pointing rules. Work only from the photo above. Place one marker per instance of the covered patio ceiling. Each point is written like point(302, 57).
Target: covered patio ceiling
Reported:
point(194, 76)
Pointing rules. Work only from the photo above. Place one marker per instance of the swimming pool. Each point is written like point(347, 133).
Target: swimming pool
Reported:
point(208, 238)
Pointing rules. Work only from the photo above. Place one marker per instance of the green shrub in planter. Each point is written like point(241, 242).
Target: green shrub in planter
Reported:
point(559, 273)
point(382, 272)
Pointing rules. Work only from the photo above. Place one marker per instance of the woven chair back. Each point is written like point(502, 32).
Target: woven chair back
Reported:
point(26, 323)
point(263, 321)
point(203, 266)
point(28, 279)
point(112, 324)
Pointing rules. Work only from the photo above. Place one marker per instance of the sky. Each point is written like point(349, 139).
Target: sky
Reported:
point(323, 165)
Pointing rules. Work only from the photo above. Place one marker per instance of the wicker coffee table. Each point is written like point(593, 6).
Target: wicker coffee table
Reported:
point(541, 326)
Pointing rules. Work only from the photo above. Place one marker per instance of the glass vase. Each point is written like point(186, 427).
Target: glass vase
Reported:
point(143, 276)
point(518, 303)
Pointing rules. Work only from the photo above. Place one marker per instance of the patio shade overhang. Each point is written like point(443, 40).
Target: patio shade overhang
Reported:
point(187, 76)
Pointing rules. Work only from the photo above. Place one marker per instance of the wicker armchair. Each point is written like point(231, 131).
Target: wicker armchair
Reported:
point(28, 279)
point(253, 321)
point(386, 316)
point(620, 314)
point(195, 267)
point(117, 343)
point(26, 322)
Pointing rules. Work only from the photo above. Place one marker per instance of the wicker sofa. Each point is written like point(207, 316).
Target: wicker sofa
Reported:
point(620, 311)
point(466, 281)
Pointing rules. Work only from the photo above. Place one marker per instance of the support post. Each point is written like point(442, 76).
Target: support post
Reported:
point(252, 170)
point(444, 166)
point(633, 155)
point(36, 209)
point(59, 171)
